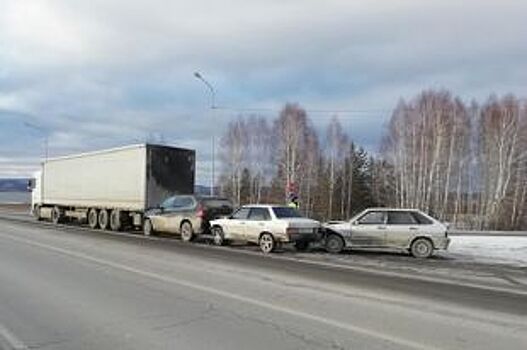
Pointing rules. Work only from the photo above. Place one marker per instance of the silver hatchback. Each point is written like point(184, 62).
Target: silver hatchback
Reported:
point(402, 229)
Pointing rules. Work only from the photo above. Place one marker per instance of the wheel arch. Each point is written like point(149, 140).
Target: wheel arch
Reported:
point(264, 232)
point(428, 238)
point(333, 232)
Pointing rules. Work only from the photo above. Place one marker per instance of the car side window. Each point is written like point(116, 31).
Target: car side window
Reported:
point(401, 218)
point(241, 214)
point(421, 219)
point(372, 218)
point(259, 214)
point(168, 203)
point(186, 202)
point(178, 201)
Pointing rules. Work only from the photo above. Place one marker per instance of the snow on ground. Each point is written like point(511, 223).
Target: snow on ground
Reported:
point(490, 249)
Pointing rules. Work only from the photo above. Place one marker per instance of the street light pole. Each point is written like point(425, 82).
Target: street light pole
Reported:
point(44, 132)
point(212, 106)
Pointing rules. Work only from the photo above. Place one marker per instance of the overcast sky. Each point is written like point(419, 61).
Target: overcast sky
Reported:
point(100, 73)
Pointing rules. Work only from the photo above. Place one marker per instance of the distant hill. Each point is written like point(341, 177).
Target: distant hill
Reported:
point(20, 185)
point(13, 185)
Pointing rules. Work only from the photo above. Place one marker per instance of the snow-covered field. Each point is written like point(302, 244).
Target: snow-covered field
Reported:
point(490, 249)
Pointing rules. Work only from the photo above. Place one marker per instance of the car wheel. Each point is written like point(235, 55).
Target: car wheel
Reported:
point(218, 238)
point(267, 243)
point(56, 216)
point(104, 219)
point(148, 228)
point(422, 248)
point(187, 233)
point(302, 246)
point(334, 243)
point(93, 218)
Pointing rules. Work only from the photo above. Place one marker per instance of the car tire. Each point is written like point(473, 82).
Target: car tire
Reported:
point(93, 218)
point(218, 237)
point(187, 232)
point(334, 243)
point(267, 243)
point(148, 228)
point(302, 246)
point(56, 215)
point(104, 219)
point(422, 248)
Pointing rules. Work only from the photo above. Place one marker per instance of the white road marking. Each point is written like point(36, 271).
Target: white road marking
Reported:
point(228, 295)
point(9, 341)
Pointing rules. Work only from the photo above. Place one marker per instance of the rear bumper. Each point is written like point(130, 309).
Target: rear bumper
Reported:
point(441, 243)
point(299, 237)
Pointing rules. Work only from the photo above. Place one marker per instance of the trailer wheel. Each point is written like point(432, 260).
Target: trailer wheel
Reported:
point(115, 220)
point(56, 216)
point(93, 218)
point(104, 219)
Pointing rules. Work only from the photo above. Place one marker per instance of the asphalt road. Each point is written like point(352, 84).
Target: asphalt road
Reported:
point(65, 288)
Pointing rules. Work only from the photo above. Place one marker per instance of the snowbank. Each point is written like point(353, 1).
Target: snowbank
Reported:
point(490, 249)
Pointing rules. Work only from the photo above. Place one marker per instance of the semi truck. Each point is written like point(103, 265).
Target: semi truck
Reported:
point(112, 188)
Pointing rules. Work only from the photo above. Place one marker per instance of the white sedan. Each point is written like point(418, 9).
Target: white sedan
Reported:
point(268, 226)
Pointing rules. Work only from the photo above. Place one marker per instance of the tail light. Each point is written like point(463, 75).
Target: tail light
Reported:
point(201, 212)
point(291, 231)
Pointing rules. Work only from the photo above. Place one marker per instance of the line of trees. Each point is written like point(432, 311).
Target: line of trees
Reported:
point(463, 163)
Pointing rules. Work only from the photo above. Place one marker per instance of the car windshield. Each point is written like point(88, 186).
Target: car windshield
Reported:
point(286, 212)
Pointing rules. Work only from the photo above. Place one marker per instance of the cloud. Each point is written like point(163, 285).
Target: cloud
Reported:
point(99, 73)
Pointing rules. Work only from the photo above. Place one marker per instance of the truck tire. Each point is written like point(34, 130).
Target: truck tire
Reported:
point(56, 215)
point(187, 232)
point(36, 212)
point(104, 219)
point(93, 218)
point(115, 220)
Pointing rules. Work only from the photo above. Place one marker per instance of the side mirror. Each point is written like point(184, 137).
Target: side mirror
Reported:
point(354, 223)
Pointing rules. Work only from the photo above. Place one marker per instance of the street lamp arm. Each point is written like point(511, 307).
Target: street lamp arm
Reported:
point(210, 87)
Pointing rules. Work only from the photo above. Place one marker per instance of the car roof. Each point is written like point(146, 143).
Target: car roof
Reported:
point(263, 206)
point(391, 209)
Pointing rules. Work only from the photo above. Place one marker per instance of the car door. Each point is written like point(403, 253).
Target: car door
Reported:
point(184, 208)
point(159, 220)
point(369, 230)
point(171, 215)
point(401, 228)
point(234, 227)
point(256, 223)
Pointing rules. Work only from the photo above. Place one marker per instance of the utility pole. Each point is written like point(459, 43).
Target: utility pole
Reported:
point(198, 76)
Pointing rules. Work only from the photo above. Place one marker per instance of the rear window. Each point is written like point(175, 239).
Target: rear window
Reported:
point(421, 219)
point(286, 212)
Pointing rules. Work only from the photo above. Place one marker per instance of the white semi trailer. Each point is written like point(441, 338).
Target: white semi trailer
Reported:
point(111, 188)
